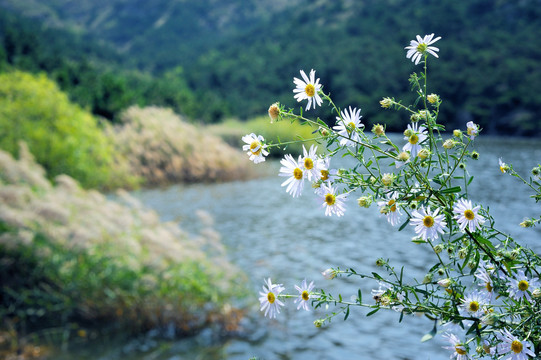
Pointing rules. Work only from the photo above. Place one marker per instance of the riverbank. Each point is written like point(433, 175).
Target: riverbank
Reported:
point(72, 258)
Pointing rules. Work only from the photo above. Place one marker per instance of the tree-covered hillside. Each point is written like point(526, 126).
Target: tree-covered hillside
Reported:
point(237, 56)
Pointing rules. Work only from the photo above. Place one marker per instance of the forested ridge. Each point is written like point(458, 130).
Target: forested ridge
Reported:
point(211, 60)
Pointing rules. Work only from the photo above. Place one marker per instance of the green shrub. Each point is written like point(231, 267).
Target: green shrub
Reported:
point(64, 138)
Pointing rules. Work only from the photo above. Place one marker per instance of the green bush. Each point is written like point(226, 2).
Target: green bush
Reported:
point(64, 138)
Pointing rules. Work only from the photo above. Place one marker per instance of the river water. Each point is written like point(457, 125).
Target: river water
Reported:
point(270, 234)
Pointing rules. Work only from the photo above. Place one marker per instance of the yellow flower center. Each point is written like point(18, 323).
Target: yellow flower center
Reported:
point(516, 346)
point(414, 139)
point(471, 131)
point(489, 287)
point(422, 48)
point(308, 163)
point(428, 221)
point(255, 147)
point(271, 298)
point(473, 306)
point(392, 205)
point(468, 214)
point(523, 285)
point(310, 90)
point(330, 199)
point(305, 295)
point(324, 175)
point(459, 350)
point(350, 127)
point(297, 173)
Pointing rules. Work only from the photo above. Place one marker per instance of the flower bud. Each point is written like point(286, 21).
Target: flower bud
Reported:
point(462, 253)
point(378, 130)
point(457, 133)
point(424, 115)
point(438, 248)
point(319, 322)
point(423, 154)
point(323, 132)
point(408, 132)
point(329, 274)
point(387, 179)
point(474, 155)
point(427, 279)
point(444, 283)
point(274, 112)
point(449, 144)
point(380, 262)
point(403, 156)
point(386, 103)
point(433, 98)
point(415, 117)
point(536, 293)
point(527, 223)
point(365, 201)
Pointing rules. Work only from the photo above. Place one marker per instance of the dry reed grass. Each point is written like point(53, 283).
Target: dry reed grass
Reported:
point(162, 148)
point(84, 228)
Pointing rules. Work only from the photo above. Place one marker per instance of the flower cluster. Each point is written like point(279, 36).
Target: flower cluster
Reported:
point(483, 288)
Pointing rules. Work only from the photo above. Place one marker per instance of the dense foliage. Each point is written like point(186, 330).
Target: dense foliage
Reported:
point(233, 54)
point(64, 138)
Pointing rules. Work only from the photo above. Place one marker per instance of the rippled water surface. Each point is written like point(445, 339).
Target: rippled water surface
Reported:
point(270, 234)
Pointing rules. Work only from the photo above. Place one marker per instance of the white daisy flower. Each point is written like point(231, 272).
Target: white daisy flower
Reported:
point(473, 304)
point(520, 286)
point(472, 129)
point(291, 168)
point(334, 204)
point(310, 163)
point(389, 207)
point(510, 344)
point(415, 135)
point(428, 225)
point(304, 295)
point(326, 174)
point(485, 280)
point(467, 215)
point(255, 147)
point(269, 298)
point(503, 166)
point(418, 48)
point(307, 89)
point(460, 352)
point(348, 125)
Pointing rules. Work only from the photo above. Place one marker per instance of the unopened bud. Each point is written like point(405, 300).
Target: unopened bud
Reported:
point(449, 144)
point(378, 130)
point(433, 98)
point(444, 283)
point(329, 274)
point(274, 112)
point(386, 103)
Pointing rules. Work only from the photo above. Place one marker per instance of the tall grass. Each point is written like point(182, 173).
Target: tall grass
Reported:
point(162, 148)
point(69, 254)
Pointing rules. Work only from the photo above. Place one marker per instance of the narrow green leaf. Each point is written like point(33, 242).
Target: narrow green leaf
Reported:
point(454, 189)
point(372, 312)
point(404, 225)
point(347, 314)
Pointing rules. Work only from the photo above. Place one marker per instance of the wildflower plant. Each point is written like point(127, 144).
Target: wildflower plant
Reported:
point(482, 290)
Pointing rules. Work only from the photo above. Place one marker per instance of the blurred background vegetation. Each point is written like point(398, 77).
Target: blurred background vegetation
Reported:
point(211, 60)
